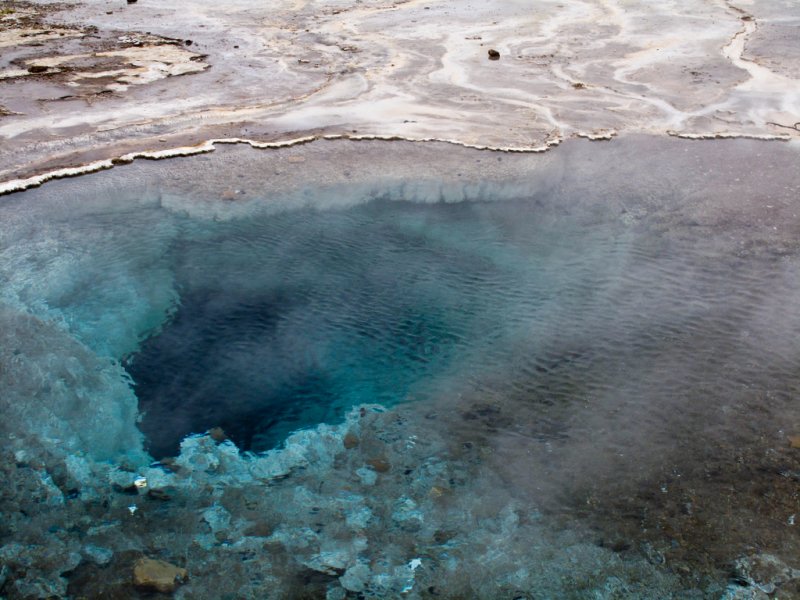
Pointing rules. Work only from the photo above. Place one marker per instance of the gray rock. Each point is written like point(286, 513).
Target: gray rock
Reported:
point(355, 578)
point(764, 572)
point(97, 554)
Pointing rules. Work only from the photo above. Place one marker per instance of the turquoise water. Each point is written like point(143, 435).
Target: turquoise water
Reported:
point(287, 321)
point(575, 377)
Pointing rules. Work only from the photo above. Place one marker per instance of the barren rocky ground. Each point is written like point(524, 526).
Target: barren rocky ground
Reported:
point(102, 78)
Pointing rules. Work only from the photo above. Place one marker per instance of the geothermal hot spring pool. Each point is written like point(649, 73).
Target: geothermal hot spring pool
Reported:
point(379, 370)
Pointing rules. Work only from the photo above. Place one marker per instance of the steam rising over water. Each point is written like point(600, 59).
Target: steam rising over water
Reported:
point(602, 352)
point(289, 320)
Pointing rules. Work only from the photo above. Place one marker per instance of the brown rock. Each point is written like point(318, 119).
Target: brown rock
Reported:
point(169, 463)
point(229, 195)
point(379, 465)
point(350, 440)
point(794, 441)
point(217, 434)
point(37, 69)
point(437, 491)
point(259, 529)
point(157, 575)
point(159, 494)
point(494, 54)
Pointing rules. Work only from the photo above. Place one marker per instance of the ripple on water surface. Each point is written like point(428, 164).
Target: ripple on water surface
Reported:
point(620, 359)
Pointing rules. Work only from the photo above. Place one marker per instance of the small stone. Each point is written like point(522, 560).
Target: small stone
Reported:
point(355, 578)
point(217, 433)
point(37, 69)
point(437, 492)
point(97, 554)
point(379, 465)
point(170, 464)
point(296, 159)
point(578, 85)
point(157, 575)
point(764, 572)
point(794, 441)
point(367, 476)
point(131, 1)
point(494, 54)
point(128, 490)
point(159, 494)
point(350, 440)
point(188, 42)
point(259, 529)
point(336, 593)
point(229, 195)
point(218, 519)
point(441, 536)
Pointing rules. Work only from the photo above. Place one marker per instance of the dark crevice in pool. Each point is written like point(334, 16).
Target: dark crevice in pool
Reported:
point(287, 322)
point(186, 381)
point(229, 360)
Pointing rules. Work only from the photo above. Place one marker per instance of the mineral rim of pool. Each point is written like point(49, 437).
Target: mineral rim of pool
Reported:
point(414, 370)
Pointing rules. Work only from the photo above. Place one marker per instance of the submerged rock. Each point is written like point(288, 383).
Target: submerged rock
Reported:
point(764, 572)
point(350, 440)
point(217, 434)
point(355, 578)
point(97, 554)
point(379, 464)
point(158, 575)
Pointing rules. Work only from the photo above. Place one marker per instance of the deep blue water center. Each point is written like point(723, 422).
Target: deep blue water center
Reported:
point(286, 321)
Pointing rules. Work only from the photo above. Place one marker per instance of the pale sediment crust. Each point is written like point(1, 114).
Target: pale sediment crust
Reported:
point(19, 185)
point(731, 136)
point(410, 70)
